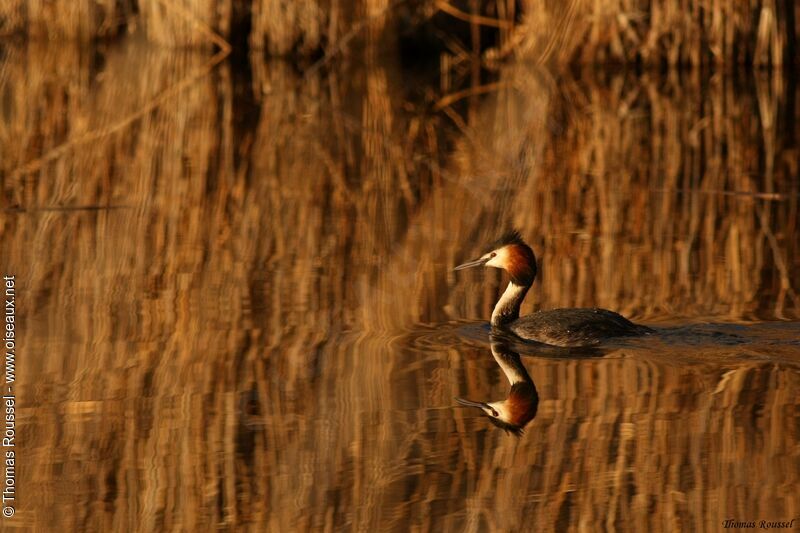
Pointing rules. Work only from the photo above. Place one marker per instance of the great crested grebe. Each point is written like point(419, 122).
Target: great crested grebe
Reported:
point(557, 327)
point(519, 408)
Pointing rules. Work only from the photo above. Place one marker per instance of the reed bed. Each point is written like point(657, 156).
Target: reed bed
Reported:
point(80, 20)
point(664, 32)
point(645, 174)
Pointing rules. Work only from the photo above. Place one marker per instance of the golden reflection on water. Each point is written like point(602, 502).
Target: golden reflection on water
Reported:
point(236, 305)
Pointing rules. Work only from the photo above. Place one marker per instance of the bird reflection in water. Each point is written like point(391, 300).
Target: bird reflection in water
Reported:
point(519, 408)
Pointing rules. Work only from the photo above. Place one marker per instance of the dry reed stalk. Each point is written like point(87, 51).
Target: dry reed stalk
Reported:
point(12, 17)
point(65, 19)
point(690, 32)
point(285, 26)
point(182, 23)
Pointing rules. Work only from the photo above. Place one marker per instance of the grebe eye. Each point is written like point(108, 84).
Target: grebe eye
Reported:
point(492, 254)
point(494, 413)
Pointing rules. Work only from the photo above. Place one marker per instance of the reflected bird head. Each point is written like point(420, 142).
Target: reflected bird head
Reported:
point(519, 408)
point(509, 253)
point(513, 413)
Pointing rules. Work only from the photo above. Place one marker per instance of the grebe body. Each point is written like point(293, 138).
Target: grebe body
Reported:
point(557, 327)
point(574, 327)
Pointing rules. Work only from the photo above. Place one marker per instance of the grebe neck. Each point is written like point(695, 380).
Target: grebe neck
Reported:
point(510, 364)
point(507, 308)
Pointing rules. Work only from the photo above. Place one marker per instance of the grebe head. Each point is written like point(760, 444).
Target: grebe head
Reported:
point(513, 413)
point(511, 254)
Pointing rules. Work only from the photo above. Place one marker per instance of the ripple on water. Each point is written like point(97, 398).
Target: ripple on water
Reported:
point(438, 337)
point(722, 342)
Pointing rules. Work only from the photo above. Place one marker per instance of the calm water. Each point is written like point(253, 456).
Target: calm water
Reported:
point(237, 310)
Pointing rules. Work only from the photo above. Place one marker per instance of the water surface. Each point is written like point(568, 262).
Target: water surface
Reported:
point(237, 308)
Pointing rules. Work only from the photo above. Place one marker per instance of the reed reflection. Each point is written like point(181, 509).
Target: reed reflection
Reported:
point(267, 254)
point(519, 408)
